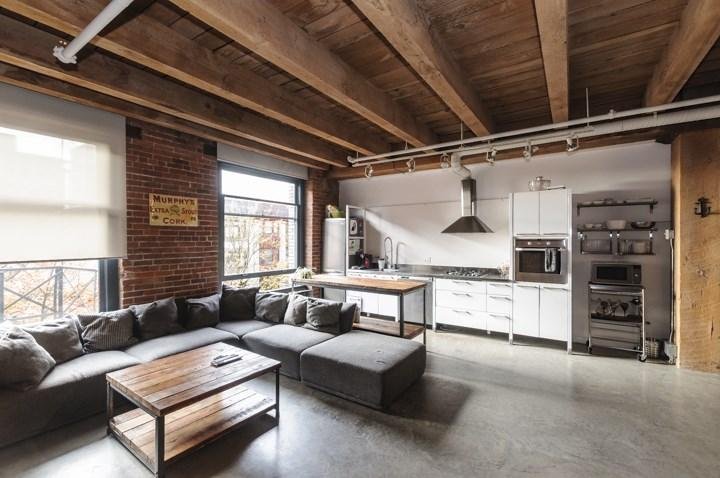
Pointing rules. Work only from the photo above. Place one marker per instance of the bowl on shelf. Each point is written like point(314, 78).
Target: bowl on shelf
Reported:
point(642, 224)
point(616, 223)
point(640, 247)
point(539, 184)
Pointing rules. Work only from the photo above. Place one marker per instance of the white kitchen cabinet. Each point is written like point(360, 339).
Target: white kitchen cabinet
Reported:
point(388, 305)
point(369, 303)
point(526, 310)
point(553, 313)
point(460, 317)
point(554, 211)
point(526, 213)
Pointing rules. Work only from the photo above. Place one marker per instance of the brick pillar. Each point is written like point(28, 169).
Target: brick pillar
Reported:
point(169, 261)
point(320, 190)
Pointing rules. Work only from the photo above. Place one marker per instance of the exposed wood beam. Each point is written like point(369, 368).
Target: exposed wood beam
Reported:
point(27, 47)
point(408, 30)
point(156, 46)
point(262, 28)
point(433, 162)
point(697, 32)
point(59, 89)
point(552, 23)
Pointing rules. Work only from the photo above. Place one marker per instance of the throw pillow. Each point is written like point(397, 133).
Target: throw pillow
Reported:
point(157, 319)
point(60, 338)
point(237, 303)
point(107, 330)
point(270, 306)
point(323, 315)
point(296, 313)
point(202, 312)
point(24, 362)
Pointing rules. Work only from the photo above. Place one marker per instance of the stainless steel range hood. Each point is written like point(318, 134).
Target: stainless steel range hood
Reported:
point(468, 222)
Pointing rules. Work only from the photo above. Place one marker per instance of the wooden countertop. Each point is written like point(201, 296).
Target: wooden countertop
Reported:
point(363, 284)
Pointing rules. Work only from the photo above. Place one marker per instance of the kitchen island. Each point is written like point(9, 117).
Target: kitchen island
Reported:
point(398, 288)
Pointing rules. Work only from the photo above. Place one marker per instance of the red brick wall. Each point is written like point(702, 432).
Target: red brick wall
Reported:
point(169, 261)
point(319, 192)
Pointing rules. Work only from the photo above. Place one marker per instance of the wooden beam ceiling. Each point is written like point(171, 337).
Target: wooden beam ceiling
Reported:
point(28, 47)
point(154, 45)
point(408, 30)
point(553, 27)
point(697, 32)
point(262, 28)
point(59, 89)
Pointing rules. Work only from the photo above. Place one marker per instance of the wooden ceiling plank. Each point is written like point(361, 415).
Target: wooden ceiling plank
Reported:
point(152, 44)
point(27, 47)
point(552, 24)
point(260, 27)
point(697, 32)
point(59, 89)
point(408, 30)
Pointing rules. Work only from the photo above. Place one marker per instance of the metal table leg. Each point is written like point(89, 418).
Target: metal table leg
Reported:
point(424, 317)
point(110, 406)
point(277, 394)
point(401, 314)
point(160, 446)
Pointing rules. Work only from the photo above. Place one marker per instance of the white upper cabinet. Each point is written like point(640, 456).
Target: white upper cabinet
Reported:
point(554, 211)
point(541, 212)
point(526, 213)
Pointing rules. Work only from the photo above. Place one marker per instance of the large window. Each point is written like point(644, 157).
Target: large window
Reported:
point(33, 292)
point(262, 227)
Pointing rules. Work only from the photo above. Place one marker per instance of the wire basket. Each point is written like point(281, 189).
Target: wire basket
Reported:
point(653, 347)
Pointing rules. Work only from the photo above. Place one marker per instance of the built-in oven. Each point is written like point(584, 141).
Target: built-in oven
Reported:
point(616, 273)
point(541, 260)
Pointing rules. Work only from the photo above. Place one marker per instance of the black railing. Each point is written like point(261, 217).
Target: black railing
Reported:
point(36, 294)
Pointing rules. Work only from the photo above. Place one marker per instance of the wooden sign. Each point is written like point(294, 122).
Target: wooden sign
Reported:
point(168, 210)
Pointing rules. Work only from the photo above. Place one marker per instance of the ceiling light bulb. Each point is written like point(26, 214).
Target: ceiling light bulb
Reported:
point(444, 161)
point(368, 171)
point(572, 144)
point(411, 165)
point(490, 156)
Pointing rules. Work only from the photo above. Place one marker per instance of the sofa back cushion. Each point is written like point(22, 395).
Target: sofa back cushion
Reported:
point(296, 313)
point(60, 338)
point(349, 314)
point(237, 303)
point(107, 330)
point(202, 312)
point(24, 362)
point(271, 306)
point(323, 315)
point(157, 318)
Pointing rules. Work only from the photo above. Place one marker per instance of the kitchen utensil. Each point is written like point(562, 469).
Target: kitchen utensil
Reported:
point(642, 224)
point(616, 224)
point(598, 202)
point(640, 247)
point(597, 245)
point(588, 225)
point(539, 184)
point(608, 201)
point(624, 306)
point(381, 264)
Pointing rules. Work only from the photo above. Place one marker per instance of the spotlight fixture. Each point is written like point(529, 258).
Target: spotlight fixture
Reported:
point(528, 152)
point(572, 144)
point(490, 156)
point(411, 165)
point(368, 171)
point(444, 161)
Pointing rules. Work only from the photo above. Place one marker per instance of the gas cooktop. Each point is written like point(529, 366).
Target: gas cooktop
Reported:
point(468, 272)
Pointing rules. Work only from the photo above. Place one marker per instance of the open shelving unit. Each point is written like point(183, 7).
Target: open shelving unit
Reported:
point(651, 203)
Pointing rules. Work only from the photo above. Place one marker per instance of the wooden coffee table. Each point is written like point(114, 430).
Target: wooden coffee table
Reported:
point(184, 402)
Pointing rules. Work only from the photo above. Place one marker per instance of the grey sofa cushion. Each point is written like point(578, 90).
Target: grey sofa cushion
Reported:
point(24, 362)
point(323, 315)
point(296, 313)
point(182, 342)
point(240, 328)
point(365, 367)
point(202, 312)
point(157, 319)
point(60, 338)
point(284, 343)
point(271, 306)
point(237, 303)
point(107, 330)
point(71, 391)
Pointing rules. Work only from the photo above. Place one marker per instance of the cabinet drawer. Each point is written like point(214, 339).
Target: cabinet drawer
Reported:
point(462, 318)
point(498, 322)
point(460, 300)
point(460, 285)
point(499, 288)
point(499, 304)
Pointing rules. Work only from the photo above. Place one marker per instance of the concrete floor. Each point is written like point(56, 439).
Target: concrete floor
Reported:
point(482, 409)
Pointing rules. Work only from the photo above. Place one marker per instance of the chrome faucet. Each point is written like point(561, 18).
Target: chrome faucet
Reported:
point(389, 257)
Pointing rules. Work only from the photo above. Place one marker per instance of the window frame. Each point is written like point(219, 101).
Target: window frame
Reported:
point(300, 220)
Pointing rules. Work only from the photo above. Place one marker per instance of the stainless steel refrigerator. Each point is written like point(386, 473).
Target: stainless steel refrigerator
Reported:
point(334, 256)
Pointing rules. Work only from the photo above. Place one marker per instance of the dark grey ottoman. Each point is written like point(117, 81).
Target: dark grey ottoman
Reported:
point(365, 367)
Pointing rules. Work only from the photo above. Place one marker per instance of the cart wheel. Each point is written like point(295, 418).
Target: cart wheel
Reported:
point(642, 358)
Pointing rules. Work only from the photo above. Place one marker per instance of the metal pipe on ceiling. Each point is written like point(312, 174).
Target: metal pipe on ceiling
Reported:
point(559, 131)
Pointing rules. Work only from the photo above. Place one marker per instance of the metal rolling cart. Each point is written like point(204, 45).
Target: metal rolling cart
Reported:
point(608, 326)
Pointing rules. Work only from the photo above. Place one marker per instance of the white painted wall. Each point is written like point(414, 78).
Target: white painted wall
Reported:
point(414, 208)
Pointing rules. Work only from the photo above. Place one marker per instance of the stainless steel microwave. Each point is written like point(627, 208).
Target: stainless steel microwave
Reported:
point(621, 273)
point(541, 260)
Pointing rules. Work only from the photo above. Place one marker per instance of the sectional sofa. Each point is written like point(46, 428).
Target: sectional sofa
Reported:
point(367, 368)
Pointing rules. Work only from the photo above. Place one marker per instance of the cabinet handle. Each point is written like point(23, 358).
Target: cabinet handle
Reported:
point(499, 297)
point(528, 286)
point(462, 282)
point(462, 293)
point(504, 316)
point(461, 312)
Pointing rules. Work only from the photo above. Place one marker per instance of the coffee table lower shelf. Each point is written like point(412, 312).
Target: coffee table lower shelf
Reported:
point(191, 427)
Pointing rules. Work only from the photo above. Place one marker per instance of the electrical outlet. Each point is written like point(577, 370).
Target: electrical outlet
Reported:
point(428, 260)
